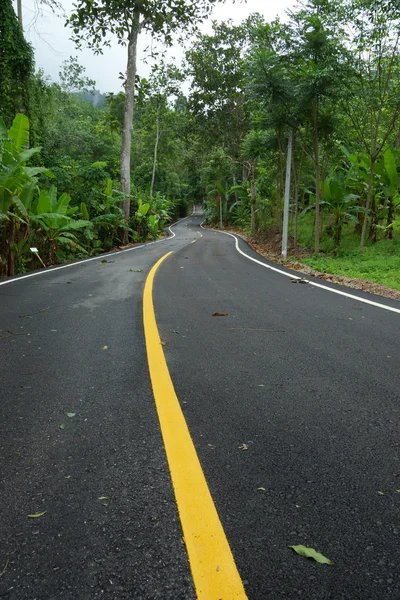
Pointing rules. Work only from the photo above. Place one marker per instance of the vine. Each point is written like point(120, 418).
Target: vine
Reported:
point(16, 65)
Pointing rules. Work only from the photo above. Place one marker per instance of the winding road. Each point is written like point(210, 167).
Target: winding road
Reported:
point(180, 456)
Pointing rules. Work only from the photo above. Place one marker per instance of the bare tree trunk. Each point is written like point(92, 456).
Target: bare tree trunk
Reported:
point(296, 200)
point(367, 205)
point(153, 175)
point(125, 162)
point(280, 187)
point(317, 190)
point(255, 223)
point(389, 228)
point(19, 11)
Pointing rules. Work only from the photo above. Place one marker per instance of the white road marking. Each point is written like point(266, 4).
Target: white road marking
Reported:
point(97, 257)
point(313, 283)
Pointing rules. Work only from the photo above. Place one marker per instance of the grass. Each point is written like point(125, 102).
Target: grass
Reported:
point(378, 262)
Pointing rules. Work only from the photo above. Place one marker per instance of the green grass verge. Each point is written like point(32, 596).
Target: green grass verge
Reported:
point(379, 263)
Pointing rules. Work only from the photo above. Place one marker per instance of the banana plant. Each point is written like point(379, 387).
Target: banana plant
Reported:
point(53, 224)
point(141, 212)
point(386, 169)
point(17, 182)
point(341, 204)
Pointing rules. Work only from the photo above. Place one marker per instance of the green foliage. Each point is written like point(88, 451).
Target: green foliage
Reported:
point(16, 65)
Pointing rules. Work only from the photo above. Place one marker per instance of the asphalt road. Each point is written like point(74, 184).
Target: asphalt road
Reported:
point(292, 402)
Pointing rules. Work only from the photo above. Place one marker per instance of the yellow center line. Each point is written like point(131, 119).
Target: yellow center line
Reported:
point(214, 572)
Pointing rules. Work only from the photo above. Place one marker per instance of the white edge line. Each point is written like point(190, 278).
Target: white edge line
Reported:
point(97, 257)
point(319, 285)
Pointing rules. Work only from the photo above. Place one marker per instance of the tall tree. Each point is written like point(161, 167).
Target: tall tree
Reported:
point(317, 34)
point(93, 20)
point(373, 101)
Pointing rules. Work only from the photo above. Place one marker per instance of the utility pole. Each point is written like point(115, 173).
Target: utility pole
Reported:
point(287, 194)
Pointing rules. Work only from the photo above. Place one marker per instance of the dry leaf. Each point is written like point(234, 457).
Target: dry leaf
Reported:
point(105, 348)
point(220, 314)
point(163, 343)
point(103, 498)
point(261, 489)
point(243, 447)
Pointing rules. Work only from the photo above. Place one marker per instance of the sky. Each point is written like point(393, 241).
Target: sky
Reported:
point(52, 45)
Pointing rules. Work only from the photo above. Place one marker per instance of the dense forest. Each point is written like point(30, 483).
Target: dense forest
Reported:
point(82, 172)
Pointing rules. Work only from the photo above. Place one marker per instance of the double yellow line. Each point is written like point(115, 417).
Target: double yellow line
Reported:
point(213, 567)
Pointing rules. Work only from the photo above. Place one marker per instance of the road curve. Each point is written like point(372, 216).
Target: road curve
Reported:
point(291, 400)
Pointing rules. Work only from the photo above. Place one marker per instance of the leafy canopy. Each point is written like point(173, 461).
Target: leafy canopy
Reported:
point(116, 17)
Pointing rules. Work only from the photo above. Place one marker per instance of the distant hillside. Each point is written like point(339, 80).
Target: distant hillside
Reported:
point(96, 98)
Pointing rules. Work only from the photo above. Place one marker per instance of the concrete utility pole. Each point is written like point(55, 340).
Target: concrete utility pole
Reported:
point(287, 194)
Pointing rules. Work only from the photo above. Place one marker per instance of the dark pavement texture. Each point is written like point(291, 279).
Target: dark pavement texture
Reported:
point(306, 379)
point(309, 382)
point(130, 544)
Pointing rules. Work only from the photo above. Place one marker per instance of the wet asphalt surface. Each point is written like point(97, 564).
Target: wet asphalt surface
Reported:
point(291, 399)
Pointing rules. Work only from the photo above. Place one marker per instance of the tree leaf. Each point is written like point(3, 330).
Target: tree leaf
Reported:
point(103, 498)
point(62, 426)
point(311, 553)
point(220, 314)
point(70, 415)
point(37, 515)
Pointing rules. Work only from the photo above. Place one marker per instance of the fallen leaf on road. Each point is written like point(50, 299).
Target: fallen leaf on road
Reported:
point(103, 498)
point(220, 314)
point(311, 553)
point(62, 426)
point(105, 348)
point(297, 505)
point(37, 515)
point(261, 489)
point(173, 331)
point(67, 476)
point(243, 447)
point(163, 343)
point(381, 493)
point(70, 415)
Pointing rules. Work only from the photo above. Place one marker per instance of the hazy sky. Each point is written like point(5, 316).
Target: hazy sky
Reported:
point(50, 40)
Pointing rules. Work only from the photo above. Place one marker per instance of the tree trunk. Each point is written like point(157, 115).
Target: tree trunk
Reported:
point(19, 11)
point(374, 220)
point(278, 209)
point(367, 204)
point(125, 162)
point(255, 223)
point(11, 240)
point(153, 175)
point(389, 230)
point(317, 190)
